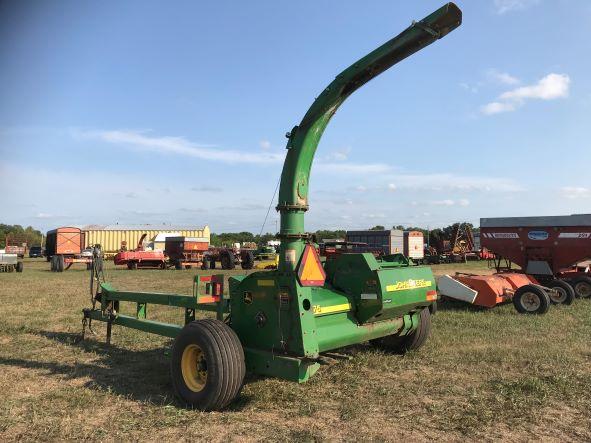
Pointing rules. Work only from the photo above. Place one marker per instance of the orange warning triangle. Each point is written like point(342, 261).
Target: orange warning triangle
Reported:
point(310, 271)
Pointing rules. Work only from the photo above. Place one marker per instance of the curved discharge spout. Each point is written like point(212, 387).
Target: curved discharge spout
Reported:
point(304, 138)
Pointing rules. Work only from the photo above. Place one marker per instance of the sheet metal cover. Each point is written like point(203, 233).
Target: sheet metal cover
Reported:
point(310, 270)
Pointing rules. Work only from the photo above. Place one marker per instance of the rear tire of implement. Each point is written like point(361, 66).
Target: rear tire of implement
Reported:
point(52, 263)
point(410, 342)
point(565, 292)
point(582, 287)
point(19, 266)
point(205, 264)
point(247, 260)
point(227, 260)
point(60, 263)
point(531, 299)
point(207, 365)
point(433, 307)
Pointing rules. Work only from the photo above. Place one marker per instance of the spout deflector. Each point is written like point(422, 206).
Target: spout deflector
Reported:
point(304, 138)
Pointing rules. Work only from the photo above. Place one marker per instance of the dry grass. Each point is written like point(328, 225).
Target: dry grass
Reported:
point(483, 374)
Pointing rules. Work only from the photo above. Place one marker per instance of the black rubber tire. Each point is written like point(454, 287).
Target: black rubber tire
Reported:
point(566, 293)
point(178, 266)
point(212, 263)
point(227, 260)
point(52, 264)
point(247, 260)
point(205, 264)
point(434, 307)
point(132, 265)
point(224, 358)
point(542, 297)
point(582, 287)
point(19, 266)
point(60, 263)
point(410, 342)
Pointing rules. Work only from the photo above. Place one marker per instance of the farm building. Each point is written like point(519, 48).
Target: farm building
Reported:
point(112, 237)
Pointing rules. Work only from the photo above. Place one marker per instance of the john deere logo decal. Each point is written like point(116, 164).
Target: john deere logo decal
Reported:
point(409, 284)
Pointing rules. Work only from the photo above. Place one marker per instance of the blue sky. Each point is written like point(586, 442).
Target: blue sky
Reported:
point(148, 112)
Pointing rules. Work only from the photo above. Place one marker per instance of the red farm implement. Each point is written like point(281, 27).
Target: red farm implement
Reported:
point(140, 258)
point(548, 248)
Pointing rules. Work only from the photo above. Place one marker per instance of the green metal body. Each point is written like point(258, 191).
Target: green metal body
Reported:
point(283, 325)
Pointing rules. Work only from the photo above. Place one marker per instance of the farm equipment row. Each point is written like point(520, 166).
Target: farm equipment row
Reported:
point(548, 252)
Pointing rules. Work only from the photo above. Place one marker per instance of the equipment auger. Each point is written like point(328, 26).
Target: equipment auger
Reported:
point(279, 322)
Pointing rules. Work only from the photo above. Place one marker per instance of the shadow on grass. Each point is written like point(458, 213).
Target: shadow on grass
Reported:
point(455, 305)
point(143, 376)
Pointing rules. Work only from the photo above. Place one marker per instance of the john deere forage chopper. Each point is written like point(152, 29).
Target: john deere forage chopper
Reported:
point(278, 323)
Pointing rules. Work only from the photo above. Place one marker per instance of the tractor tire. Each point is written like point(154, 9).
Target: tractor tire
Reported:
point(205, 264)
point(531, 299)
point(60, 263)
point(132, 265)
point(433, 307)
point(562, 294)
point(227, 260)
point(582, 287)
point(247, 260)
point(52, 264)
point(207, 365)
point(411, 342)
point(19, 266)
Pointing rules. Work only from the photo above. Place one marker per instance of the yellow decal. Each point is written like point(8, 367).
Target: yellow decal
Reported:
point(319, 310)
point(409, 284)
point(266, 282)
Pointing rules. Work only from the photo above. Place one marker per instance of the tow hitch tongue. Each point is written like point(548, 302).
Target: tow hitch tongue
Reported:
point(278, 322)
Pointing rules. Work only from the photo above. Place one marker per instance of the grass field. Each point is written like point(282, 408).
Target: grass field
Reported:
point(484, 374)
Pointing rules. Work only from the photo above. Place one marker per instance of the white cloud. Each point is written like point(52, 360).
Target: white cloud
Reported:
point(575, 192)
point(352, 168)
point(205, 188)
point(449, 181)
point(43, 215)
point(497, 107)
point(502, 77)
point(180, 146)
point(339, 155)
point(551, 87)
point(504, 6)
point(265, 144)
point(446, 202)
point(391, 187)
point(464, 202)
point(361, 188)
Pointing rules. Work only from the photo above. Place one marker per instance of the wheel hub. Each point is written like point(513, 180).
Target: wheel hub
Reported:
point(558, 295)
point(530, 301)
point(583, 289)
point(194, 368)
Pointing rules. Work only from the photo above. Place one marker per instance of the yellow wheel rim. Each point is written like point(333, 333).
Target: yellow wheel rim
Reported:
point(194, 368)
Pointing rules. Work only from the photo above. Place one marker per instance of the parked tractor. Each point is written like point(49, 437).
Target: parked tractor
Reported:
point(280, 322)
